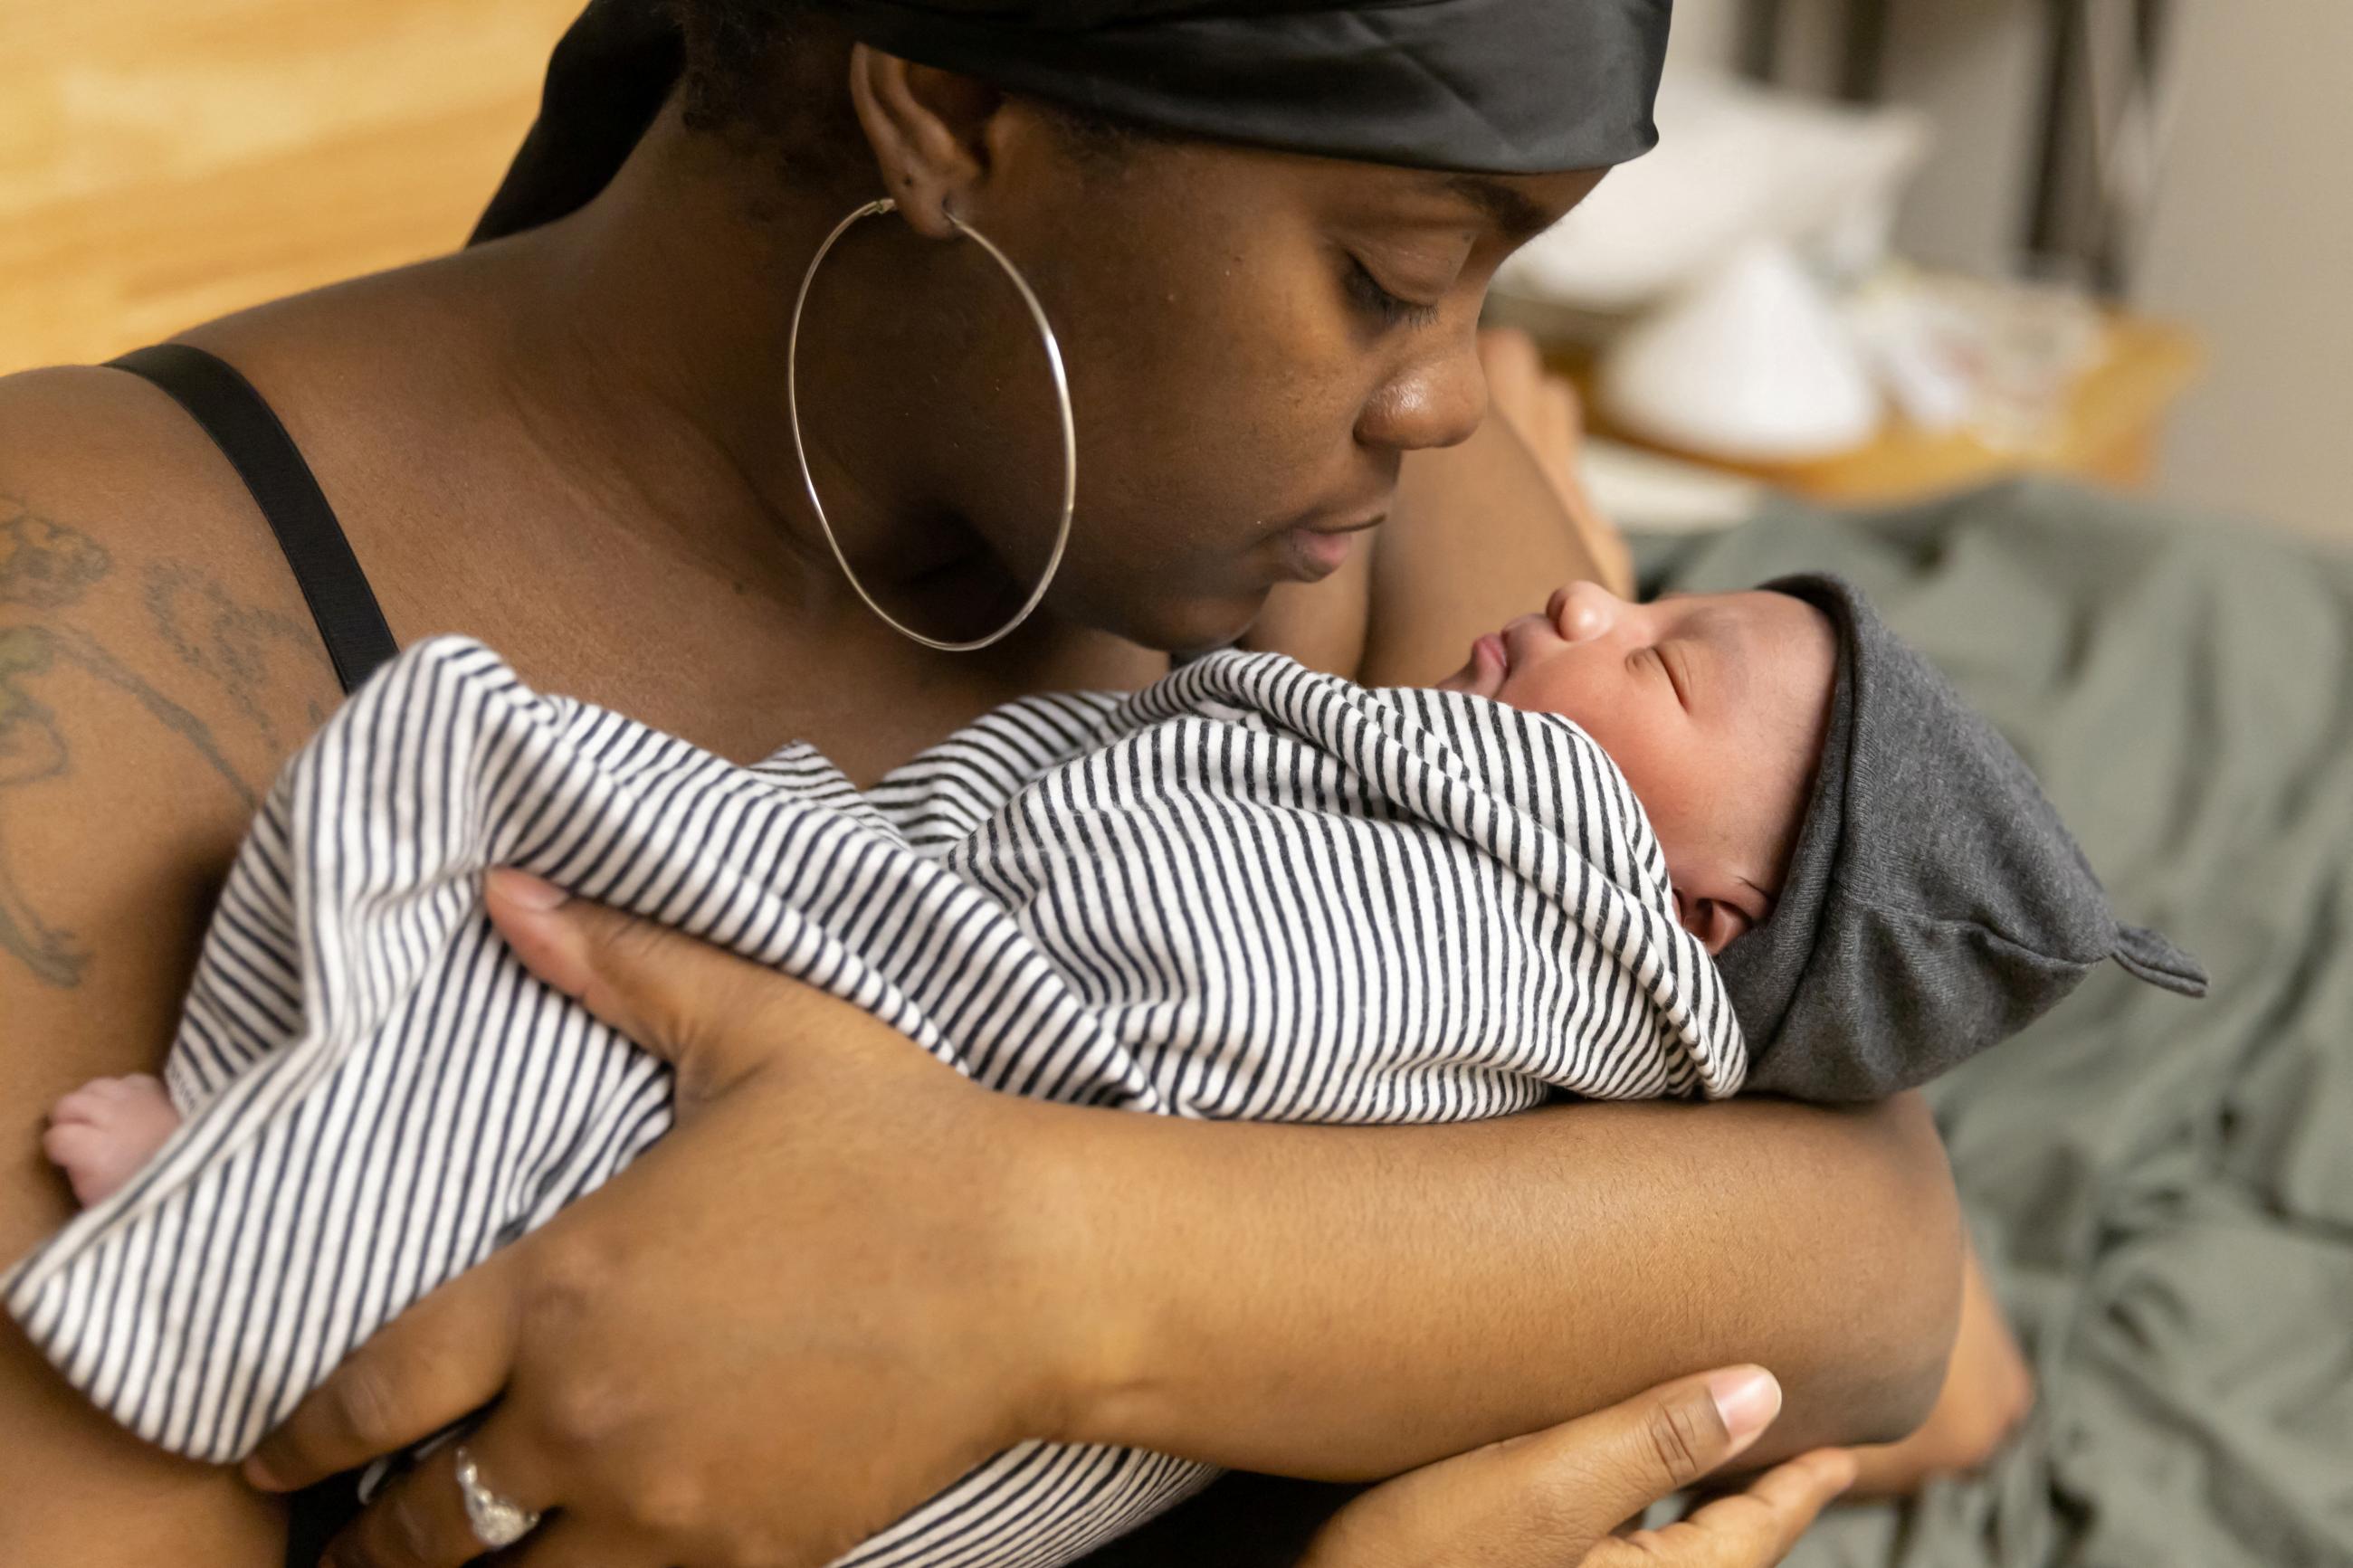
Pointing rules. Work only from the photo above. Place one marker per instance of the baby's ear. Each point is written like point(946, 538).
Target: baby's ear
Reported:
point(1715, 924)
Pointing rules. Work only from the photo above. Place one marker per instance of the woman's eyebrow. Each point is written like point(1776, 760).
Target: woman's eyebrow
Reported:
point(1519, 218)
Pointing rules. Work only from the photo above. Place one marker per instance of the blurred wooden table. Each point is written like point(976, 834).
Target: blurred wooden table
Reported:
point(2109, 434)
point(162, 162)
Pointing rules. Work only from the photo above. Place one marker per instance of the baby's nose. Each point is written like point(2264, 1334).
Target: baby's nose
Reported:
point(1583, 611)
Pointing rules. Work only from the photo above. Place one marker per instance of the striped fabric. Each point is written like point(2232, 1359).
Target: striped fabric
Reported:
point(1249, 892)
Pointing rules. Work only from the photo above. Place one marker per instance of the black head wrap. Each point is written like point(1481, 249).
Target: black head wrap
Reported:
point(1935, 904)
point(1511, 86)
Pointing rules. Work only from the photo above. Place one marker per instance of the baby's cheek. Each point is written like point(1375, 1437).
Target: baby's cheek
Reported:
point(1692, 804)
point(1654, 750)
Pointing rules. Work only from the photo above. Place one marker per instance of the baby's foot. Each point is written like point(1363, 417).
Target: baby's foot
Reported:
point(106, 1129)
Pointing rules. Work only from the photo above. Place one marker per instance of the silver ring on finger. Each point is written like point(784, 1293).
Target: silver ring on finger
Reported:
point(497, 1521)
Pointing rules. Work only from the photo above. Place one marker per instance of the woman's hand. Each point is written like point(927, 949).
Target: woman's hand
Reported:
point(762, 1353)
point(1552, 1499)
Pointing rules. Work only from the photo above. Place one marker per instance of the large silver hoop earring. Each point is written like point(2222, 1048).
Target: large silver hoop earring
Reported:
point(1061, 400)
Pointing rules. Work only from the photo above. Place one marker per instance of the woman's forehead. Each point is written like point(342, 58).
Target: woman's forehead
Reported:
point(1515, 208)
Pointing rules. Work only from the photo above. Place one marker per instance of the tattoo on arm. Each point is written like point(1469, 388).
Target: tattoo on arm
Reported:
point(222, 640)
point(30, 750)
point(47, 567)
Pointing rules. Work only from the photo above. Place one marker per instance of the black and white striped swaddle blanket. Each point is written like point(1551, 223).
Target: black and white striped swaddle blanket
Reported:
point(1249, 892)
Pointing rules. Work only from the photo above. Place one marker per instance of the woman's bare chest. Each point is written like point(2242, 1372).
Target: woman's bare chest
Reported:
point(742, 675)
point(675, 610)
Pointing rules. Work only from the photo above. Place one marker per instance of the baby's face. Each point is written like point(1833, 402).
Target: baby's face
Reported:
point(1713, 705)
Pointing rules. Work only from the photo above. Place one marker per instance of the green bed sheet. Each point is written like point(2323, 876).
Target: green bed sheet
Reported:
point(2162, 1189)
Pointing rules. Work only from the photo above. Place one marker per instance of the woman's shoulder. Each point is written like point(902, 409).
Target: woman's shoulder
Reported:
point(125, 534)
point(98, 440)
point(156, 665)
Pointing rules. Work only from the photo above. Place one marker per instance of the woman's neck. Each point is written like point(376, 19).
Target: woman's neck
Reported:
point(647, 344)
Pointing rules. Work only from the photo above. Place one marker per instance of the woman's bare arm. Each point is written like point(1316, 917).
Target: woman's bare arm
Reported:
point(145, 698)
point(1344, 1303)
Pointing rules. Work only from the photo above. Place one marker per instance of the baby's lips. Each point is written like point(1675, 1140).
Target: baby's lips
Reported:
point(1484, 675)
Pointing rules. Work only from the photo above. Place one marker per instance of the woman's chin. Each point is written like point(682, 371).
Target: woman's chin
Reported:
point(1196, 625)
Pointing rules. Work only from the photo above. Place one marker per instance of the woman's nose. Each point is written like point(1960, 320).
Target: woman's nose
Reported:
point(1584, 611)
point(1437, 402)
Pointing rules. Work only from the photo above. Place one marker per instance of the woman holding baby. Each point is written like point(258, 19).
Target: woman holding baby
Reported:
point(1261, 246)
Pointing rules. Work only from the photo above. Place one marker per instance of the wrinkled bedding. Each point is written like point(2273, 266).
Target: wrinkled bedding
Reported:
point(2163, 1192)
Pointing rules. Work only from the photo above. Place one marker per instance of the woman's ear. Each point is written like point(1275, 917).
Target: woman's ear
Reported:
point(927, 128)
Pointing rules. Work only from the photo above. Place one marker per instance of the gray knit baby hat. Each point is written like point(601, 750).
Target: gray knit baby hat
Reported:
point(1935, 904)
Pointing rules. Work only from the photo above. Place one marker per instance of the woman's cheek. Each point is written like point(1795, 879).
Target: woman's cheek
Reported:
point(1151, 570)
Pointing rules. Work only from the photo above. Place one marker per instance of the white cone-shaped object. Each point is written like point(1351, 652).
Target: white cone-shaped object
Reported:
point(1752, 366)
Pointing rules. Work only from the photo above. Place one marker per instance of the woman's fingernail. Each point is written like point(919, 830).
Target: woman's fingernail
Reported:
point(530, 892)
point(1748, 1398)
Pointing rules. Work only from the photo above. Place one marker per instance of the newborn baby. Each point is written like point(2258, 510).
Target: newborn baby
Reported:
point(1712, 707)
point(1250, 890)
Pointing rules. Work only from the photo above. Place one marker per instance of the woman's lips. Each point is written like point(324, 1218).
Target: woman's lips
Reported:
point(1315, 554)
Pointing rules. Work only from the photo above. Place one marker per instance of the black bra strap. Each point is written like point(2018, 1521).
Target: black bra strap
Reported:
point(249, 433)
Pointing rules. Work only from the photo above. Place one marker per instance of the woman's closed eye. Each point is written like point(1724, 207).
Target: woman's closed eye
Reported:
point(1391, 308)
